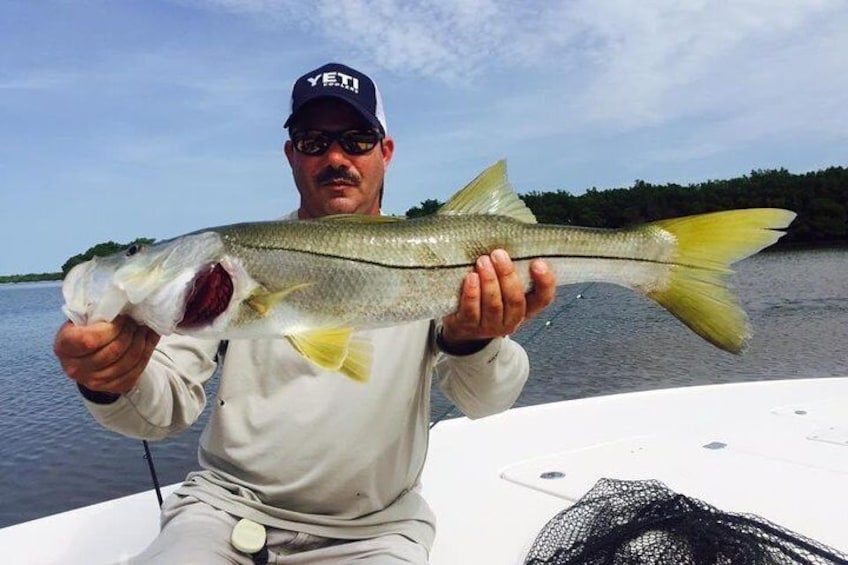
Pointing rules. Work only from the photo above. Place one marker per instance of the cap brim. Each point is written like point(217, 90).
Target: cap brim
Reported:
point(370, 118)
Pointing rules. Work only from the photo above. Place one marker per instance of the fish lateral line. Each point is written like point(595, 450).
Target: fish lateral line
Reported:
point(470, 263)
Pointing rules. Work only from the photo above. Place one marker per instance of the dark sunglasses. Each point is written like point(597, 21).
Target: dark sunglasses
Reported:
point(353, 142)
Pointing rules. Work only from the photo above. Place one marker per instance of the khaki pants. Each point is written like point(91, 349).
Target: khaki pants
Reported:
point(194, 532)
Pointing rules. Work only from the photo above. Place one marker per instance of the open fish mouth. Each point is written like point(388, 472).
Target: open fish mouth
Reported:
point(210, 296)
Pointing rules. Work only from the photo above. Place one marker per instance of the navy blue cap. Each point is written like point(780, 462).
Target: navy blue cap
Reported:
point(335, 80)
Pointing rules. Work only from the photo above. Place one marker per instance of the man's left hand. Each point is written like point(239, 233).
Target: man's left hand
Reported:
point(493, 302)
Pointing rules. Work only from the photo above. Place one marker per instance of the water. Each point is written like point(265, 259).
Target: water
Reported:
point(54, 457)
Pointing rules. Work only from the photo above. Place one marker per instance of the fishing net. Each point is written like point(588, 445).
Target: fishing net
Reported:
point(644, 522)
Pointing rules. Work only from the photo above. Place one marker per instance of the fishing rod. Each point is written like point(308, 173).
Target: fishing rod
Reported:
point(219, 358)
point(152, 467)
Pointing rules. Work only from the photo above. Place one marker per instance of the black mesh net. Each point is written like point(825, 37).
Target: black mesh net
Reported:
point(644, 522)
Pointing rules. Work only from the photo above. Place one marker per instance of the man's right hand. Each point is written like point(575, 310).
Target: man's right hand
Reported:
point(106, 356)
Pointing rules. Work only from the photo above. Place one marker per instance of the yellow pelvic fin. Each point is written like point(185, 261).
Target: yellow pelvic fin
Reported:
point(490, 193)
point(706, 245)
point(357, 364)
point(335, 350)
point(264, 302)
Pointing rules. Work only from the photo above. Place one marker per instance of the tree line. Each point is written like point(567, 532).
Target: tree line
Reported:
point(819, 198)
point(99, 250)
point(32, 277)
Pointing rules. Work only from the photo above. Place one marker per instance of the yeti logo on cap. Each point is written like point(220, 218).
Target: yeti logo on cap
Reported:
point(335, 78)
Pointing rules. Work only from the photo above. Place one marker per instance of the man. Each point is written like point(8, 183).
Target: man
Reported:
point(328, 468)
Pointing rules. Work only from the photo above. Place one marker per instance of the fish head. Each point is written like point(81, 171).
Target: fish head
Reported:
point(179, 283)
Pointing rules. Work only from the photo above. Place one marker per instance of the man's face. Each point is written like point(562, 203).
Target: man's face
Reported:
point(336, 182)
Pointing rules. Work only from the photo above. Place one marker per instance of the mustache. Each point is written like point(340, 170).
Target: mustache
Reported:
point(336, 174)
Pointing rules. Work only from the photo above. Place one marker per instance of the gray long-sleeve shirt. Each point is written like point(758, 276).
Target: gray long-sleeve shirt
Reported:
point(293, 446)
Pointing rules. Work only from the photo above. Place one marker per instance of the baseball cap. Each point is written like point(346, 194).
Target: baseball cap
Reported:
point(335, 80)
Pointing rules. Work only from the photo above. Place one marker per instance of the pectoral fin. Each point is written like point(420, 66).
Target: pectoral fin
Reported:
point(264, 302)
point(333, 349)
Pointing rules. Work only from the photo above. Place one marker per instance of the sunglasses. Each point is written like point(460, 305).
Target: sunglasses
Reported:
point(353, 142)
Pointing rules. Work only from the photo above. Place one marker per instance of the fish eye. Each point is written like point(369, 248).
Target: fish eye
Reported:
point(132, 250)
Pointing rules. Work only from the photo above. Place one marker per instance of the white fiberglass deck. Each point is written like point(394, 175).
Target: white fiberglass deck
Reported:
point(778, 449)
point(784, 457)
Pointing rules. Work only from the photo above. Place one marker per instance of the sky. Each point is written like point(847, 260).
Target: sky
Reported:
point(152, 118)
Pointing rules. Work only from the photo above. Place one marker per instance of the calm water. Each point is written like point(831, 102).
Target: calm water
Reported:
point(54, 457)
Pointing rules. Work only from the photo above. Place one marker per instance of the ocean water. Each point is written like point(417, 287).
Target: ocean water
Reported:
point(596, 339)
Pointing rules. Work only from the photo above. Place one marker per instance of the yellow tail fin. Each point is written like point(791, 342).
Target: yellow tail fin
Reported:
point(707, 244)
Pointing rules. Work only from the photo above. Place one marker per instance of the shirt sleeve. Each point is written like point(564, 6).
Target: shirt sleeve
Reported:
point(168, 397)
point(485, 382)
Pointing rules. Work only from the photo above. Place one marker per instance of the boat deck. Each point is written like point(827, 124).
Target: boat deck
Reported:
point(778, 449)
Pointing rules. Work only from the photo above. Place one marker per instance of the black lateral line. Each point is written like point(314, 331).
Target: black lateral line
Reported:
point(376, 263)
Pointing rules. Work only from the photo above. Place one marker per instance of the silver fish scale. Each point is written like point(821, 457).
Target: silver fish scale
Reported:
point(437, 241)
point(428, 242)
point(377, 274)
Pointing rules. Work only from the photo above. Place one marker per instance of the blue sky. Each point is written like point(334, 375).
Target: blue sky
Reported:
point(121, 119)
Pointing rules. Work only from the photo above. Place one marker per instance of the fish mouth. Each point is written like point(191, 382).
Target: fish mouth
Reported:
point(210, 295)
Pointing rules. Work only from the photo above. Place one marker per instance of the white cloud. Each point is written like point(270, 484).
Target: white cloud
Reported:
point(443, 39)
point(677, 61)
point(626, 63)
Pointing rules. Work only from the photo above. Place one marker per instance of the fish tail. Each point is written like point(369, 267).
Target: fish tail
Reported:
point(696, 290)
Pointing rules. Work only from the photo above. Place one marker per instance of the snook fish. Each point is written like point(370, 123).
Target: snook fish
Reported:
point(316, 282)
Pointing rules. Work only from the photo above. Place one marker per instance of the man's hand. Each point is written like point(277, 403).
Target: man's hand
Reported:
point(107, 356)
point(493, 302)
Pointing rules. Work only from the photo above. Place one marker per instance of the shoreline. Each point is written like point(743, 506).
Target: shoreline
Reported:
point(31, 278)
point(57, 282)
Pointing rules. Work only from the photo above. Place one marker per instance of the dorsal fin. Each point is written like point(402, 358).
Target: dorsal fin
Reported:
point(489, 193)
